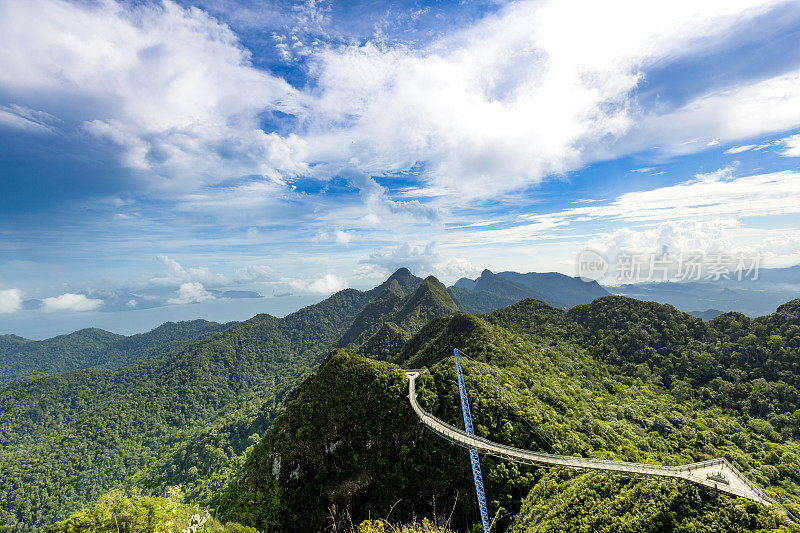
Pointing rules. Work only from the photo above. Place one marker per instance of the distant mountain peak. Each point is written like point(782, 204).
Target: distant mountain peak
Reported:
point(402, 281)
point(431, 283)
point(401, 273)
point(493, 291)
point(465, 283)
point(431, 299)
point(431, 287)
point(403, 299)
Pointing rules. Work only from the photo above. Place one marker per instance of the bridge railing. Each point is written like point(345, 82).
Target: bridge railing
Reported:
point(676, 472)
point(493, 448)
point(483, 443)
point(761, 494)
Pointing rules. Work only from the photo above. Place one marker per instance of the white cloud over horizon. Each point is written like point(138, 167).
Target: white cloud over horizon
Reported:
point(722, 241)
point(326, 284)
point(423, 260)
point(189, 293)
point(254, 273)
point(173, 273)
point(672, 237)
point(708, 213)
point(10, 300)
point(71, 302)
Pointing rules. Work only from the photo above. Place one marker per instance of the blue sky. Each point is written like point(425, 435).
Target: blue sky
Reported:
point(155, 156)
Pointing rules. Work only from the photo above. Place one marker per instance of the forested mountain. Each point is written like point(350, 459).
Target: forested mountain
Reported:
point(602, 380)
point(95, 348)
point(132, 511)
point(568, 290)
point(708, 314)
point(186, 417)
point(479, 301)
point(615, 378)
point(392, 317)
point(382, 307)
point(494, 291)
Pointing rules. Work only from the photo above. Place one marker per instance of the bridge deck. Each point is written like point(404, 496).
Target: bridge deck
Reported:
point(712, 474)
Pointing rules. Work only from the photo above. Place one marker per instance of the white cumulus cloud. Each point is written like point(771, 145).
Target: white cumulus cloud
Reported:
point(327, 284)
point(172, 87)
point(71, 302)
point(191, 292)
point(339, 236)
point(540, 87)
point(10, 300)
point(251, 273)
point(423, 259)
point(787, 244)
point(343, 237)
point(173, 273)
point(672, 238)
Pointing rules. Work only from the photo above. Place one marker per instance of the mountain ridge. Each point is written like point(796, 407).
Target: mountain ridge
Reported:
point(90, 347)
point(406, 312)
point(616, 377)
point(99, 427)
point(492, 291)
point(539, 378)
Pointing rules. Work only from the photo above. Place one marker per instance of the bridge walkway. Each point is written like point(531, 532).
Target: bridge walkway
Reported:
point(714, 474)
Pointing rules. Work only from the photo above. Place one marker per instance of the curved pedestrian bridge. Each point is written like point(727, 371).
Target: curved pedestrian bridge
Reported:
point(715, 474)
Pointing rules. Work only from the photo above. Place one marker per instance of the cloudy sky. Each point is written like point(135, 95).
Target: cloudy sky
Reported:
point(168, 160)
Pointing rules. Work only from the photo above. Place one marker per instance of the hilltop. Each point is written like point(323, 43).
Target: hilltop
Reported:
point(494, 291)
point(88, 348)
point(160, 414)
point(274, 418)
point(541, 380)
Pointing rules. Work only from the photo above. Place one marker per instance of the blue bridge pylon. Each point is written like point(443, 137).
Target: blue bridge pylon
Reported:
point(473, 453)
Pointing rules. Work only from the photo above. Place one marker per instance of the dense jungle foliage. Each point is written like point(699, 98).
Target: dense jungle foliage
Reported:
point(95, 348)
point(185, 417)
point(542, 379)
point(263, 424)
point(134, 513)
point(605, 504)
